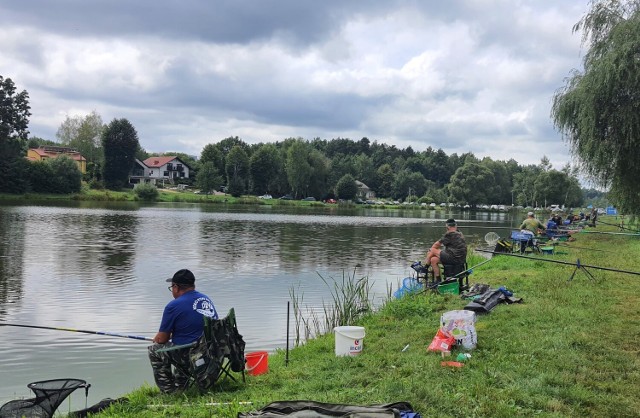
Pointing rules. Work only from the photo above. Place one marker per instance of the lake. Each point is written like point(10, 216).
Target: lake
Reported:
point(102, 267)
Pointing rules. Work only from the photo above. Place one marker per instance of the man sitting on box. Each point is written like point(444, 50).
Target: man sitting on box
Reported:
point(455, 251)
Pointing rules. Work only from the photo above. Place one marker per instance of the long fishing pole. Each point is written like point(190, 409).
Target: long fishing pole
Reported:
point(576, 264)
point(611, 233)
point(619, 226)
point(110, 334)
point(582, 248)
point(474, 227)
point(470, 269)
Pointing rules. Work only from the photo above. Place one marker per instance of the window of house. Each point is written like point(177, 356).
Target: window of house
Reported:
point(166, 174)
point(170, 166)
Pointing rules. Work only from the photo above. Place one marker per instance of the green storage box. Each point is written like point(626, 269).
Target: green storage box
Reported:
point(449, 287)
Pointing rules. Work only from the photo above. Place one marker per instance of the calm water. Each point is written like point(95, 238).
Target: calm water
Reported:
point(103, 267)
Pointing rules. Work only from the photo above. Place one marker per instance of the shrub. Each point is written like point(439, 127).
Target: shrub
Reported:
point(146, 191)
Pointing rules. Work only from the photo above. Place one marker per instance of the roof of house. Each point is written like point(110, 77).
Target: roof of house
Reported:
point(55, 151)
point(361, 185)
point(157, 162)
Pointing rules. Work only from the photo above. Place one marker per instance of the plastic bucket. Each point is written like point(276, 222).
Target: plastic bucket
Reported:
point(349, 340)
point(546, 250)
point(461, 324)
point(257, 362)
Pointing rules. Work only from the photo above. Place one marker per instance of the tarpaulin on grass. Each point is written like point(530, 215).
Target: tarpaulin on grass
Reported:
point(311, 409)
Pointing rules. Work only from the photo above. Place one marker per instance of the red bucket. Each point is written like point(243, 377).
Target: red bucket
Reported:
point(257, 362)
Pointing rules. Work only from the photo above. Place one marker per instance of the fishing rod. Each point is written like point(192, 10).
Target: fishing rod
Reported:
point(577, 264)
point(110, 334)
point(612, 233)
point(582, 248)
point(620, 226)
point(470, 269)
point(474, 227)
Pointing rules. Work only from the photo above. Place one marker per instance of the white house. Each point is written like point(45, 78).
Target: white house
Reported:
point(364, 192)
point(156, 170)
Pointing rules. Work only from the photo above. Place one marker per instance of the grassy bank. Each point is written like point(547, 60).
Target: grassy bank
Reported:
point(570, 349)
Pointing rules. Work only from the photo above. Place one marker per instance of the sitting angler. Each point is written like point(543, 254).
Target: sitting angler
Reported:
point(531, 226)
point(455, 251)
point(182, 323)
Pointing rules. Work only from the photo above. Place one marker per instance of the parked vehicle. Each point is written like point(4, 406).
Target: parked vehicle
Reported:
point(286, 197)
point(265, 196)
point(309, 199)
point(332, 201)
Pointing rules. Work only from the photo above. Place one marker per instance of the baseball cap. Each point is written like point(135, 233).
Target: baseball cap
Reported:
point(530, 214)
point(183, 276)
point(450, 222)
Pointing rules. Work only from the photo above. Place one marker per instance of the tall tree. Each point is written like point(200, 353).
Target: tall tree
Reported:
point(597, 109)
point(386, 179)
point(14, 122)
point(237, 171)
point(346, 187)
point(120, 143)
point(265, 165)
point(297, 166)
point(472, 184)
point(211, 153)
point(406, 180)
point(208, 178)
point(14, 113)
point(84, 133)
point(318, 181)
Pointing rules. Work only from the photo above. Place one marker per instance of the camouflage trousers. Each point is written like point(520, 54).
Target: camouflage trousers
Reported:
point(168, 377)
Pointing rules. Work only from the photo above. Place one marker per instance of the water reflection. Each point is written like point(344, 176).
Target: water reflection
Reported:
point(11, 259)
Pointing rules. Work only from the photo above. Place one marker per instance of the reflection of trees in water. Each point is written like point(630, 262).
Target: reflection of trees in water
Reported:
point(85, 245)
point(292, 246)
point(118, 246)
point(11, 260)
point(239, 245)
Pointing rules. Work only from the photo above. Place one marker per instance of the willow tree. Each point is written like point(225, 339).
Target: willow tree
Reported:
point(598, 109)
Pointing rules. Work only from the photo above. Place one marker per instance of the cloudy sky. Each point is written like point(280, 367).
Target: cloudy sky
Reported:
point(464, 76)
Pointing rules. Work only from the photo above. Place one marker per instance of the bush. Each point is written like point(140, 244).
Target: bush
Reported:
point(96, 184)
point(146, 191)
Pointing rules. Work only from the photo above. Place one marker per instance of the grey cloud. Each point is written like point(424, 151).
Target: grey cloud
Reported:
point(511, 64)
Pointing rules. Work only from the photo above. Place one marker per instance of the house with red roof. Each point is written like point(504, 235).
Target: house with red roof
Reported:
point(157, 170)
point(46, 152)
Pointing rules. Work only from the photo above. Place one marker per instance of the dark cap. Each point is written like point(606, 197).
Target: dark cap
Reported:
point(183, 276)
point(450, 222)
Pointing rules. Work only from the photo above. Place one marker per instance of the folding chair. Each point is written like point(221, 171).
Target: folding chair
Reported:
point(457, 271)
point(219, 351)
point(49, 395)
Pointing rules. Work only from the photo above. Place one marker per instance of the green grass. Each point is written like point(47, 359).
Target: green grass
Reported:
point(570, 349)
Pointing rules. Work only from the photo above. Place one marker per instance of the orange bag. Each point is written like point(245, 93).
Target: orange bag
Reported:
point(443, 341)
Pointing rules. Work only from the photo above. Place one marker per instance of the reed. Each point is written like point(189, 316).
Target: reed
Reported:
point(350, 301)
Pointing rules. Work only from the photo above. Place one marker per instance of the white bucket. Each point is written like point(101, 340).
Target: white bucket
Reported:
point(349, 340)
point(461, 324)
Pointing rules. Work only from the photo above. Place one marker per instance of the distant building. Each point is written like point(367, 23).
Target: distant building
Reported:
point(45, 152)
point(156, 170)
point(364, 192)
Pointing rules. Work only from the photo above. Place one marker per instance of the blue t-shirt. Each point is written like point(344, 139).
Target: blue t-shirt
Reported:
point(183, 317)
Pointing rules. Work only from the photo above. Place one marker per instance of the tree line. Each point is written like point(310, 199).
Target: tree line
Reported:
point(320, 168)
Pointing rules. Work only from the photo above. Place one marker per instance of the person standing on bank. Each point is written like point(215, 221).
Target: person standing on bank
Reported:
point(455, 251)
point(182, 323)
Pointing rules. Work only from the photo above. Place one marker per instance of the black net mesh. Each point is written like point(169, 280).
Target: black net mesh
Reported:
point(49, 395)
